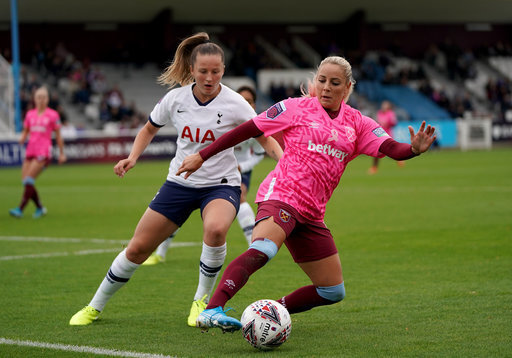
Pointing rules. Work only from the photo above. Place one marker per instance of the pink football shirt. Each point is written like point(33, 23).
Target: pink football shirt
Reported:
point(40, 129)
point(317, 151)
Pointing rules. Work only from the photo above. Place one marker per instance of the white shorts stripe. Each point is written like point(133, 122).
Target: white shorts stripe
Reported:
point(270, 189)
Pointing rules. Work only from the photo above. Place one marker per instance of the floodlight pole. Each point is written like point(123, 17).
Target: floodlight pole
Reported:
point(16, 64)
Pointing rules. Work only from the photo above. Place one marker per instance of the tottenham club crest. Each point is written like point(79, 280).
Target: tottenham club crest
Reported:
point(284, 216)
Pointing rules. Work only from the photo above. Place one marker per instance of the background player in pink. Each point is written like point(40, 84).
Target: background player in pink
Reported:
point(322, 134)
point(386, 117)
point(39, 125)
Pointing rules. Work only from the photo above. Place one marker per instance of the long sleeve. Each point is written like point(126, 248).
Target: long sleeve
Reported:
point(231, 138)
point(396, 150)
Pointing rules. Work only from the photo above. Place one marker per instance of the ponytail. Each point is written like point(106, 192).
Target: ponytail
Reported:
point(178, 72)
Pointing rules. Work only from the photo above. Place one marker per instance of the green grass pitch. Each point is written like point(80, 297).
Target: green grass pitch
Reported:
point(426, 252)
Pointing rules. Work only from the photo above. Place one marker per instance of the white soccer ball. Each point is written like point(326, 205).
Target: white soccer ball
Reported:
point(266, 324)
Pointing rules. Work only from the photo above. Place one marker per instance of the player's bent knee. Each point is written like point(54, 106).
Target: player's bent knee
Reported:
point(332, 293)
point(268, 247)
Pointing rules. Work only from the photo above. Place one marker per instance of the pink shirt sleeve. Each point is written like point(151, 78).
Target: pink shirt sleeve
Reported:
point(276, 118)
point(56, 120)
point(370, 136)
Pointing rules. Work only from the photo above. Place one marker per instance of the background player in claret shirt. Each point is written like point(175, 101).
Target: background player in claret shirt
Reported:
point(202, 109)
point(39, 125)
point(322, 134)
point(386, 118)
point(248, 154)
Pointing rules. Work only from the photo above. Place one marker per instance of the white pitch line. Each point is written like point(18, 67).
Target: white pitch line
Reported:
point(56, 254)
point(55, 239)
point(81, 349)
point(76, 253)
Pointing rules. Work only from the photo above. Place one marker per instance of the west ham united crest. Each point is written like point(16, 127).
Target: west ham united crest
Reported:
point(284, 216)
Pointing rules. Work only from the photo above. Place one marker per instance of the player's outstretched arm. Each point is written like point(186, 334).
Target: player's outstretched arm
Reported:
point(420, 143)
point(142, 140)
point(190, 164)
point(60, 143)
point(423, 139)
point(237, 135)
point(271, 146)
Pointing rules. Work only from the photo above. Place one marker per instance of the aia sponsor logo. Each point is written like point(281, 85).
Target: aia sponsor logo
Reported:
point(196, 135)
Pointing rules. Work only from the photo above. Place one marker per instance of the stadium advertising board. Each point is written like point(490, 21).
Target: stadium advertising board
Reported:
point(446, 131)
point(94, 150)
point(501, 132)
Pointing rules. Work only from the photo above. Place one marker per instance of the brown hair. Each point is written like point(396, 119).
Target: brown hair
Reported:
point(178, 72)
point(248, 89)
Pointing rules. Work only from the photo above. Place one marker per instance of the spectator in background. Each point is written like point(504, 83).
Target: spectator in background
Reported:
point(114, 98)
point(39, 125)
point(68, 130)
point(386, 117)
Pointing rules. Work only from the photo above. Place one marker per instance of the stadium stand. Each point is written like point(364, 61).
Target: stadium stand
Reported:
point(438, 79)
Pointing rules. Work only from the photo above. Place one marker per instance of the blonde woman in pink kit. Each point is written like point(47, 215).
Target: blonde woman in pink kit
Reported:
point(387, 119)
point(39, 125)
point(322, 134)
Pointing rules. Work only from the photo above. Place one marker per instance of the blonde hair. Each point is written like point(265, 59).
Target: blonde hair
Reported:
point(178, 72)
point(345, 67)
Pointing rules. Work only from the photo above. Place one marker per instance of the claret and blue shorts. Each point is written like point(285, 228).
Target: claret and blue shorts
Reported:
point(177, 202)
point(305, 239)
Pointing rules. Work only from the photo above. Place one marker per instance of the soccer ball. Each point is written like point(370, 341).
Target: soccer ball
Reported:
point(266, 324)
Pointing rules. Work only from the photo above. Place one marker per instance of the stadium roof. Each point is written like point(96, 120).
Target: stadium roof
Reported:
point(260, 11)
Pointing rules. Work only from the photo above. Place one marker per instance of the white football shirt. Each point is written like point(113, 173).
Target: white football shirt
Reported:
point(198, 126)
point(248, 154)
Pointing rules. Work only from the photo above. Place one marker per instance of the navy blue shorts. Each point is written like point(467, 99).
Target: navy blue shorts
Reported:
point(176, 202)
point(246, 179)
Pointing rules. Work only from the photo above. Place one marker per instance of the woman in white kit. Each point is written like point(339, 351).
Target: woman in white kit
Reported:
point(201, 110)
point(247, 154)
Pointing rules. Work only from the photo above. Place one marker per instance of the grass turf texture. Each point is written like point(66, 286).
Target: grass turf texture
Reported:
point(426, 252)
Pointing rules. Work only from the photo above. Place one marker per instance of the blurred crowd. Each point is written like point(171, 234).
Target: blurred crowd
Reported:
point(82, 83)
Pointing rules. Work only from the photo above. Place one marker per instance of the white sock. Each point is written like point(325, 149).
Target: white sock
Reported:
point(212, 259)
point(246, 220)
point(118, 274)
point(164, 246)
